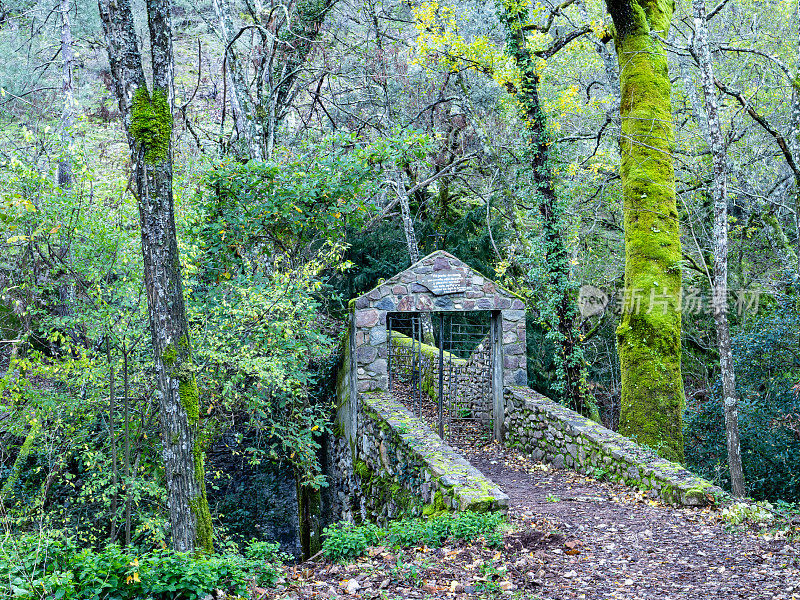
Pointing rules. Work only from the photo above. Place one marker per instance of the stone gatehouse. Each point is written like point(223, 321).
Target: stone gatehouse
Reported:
point(440, 282)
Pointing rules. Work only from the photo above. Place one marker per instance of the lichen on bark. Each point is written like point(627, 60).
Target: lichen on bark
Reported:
point(151, 124)
point(649, 334)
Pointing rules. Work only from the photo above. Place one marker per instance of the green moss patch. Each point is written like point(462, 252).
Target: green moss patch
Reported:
point(151, 124)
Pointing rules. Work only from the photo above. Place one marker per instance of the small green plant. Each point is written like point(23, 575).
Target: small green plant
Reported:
point(410, 573)
point(264, 558)
point(490, 573)
point(601, 474)
point(760, 512)
point(345, 541)
point(470, 525)
point(552, 498)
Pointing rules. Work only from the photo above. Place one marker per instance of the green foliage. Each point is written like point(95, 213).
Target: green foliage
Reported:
point(760, 512)
point(256, 338)
point(87, 296)
point(380, 253)
point(263, 557)
point(767, 372)
point(346, 541)
point(52, 566)
point(256, 210)
point(262, 237)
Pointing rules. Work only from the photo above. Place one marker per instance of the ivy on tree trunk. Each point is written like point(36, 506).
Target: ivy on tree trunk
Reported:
point(559, 309)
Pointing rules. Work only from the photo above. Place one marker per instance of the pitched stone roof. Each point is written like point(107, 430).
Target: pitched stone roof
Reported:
point(440, 281)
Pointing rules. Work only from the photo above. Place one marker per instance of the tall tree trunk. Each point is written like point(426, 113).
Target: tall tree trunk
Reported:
point(67, 114)
point(148, 122)
point(408, 224)
point(559, 307)
point(245, 112)
point(794, 141)
point(649, 334)
point(720, 291)
point(413, 249)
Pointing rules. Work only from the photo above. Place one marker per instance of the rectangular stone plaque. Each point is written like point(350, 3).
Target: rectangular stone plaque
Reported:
point(445, 283)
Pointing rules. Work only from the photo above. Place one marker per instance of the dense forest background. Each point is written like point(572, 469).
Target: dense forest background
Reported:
point(320, 146)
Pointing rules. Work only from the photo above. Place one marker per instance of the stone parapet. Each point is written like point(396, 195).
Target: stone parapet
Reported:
point(393, 465)
point(553, 433)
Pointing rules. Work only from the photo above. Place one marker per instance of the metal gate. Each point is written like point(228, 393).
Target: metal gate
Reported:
point(448, 380)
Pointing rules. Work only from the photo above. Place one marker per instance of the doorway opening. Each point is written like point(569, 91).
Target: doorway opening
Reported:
point(441, 365)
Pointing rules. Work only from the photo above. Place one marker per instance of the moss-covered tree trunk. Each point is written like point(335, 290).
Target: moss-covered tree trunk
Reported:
point(148, 122)
point(22, 456)
point(649, 335)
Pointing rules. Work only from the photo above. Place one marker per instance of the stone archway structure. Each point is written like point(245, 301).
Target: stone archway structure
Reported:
point(440, 282)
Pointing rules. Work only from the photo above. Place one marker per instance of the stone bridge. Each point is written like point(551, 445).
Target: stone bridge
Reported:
point(388, 463)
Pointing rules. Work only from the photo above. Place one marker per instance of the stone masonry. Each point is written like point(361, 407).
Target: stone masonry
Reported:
point(438, 282)
point(387, 463)
point(396, 466)
point(550, 432)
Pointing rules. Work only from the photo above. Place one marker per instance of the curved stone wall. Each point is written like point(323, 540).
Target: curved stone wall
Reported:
point(393, 465)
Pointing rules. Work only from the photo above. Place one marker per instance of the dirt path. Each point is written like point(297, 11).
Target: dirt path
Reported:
point(573, 537)
point(629, 547)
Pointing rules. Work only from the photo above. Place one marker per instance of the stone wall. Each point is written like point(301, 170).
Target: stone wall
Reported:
point(393, 465)
point(471, 377)
point(550, 432)
point(437, 283)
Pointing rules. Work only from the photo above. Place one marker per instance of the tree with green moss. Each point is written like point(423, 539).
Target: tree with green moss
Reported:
point(649, 334)
point(147, 115)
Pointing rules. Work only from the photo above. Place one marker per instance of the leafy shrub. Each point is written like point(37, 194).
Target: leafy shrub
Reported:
point(345, 541)
point(52, 566)
point(767, 372)
point(469, 525)
point(263, 558)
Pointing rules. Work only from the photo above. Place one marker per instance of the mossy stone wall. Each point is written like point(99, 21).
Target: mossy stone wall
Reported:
point(393, 465)
point(550, 432)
